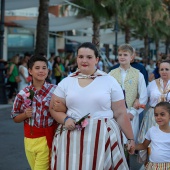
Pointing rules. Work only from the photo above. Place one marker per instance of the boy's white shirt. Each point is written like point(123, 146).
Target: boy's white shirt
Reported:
point(142, 91)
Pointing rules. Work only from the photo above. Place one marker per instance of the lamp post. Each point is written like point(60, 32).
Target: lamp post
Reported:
point(116, 30)
point(2, 27)
point(3, 97)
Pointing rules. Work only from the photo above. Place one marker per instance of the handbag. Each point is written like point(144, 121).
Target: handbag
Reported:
point(17, 79)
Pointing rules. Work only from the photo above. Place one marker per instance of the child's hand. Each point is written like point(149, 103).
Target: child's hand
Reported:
point(28, 112)
point(130, 146)
point(136, 104)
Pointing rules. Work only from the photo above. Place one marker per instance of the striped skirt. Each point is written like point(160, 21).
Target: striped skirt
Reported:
point(158, 166)
point(96, 147)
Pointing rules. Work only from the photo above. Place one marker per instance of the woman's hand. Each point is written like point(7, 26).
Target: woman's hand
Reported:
point(130, 146)
point(70, 124)
point(28, 112)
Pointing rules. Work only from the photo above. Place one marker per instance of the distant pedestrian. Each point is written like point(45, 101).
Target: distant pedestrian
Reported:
point(57, 69)
point(13, 77)
point(155, 73)
point(31, 106)
point(23, 73)
point(159, 138)
point(100, 64)
point(150, 67)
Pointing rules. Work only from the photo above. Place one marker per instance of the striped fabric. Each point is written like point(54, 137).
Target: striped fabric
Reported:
point(41, 115)
point(158, 166)
point(96, 147)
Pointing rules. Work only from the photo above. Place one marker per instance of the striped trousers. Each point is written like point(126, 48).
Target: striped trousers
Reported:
point(96, 147)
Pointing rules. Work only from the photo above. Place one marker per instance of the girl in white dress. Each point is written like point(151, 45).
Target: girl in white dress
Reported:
point(159, 137)
point(158, 90)
point(98, 145)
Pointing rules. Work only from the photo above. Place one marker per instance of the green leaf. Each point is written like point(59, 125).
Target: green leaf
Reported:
point(31, 94)
point(84, 117)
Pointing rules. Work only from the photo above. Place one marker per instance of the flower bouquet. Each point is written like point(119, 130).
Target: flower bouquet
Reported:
point(29, 98)
point(28, 103)
point(82, 123)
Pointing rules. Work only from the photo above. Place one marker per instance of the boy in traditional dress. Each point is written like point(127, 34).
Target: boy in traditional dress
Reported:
point(133, 85)
point(31, 106)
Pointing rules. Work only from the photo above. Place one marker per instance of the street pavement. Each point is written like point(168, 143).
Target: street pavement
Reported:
point(12, 155)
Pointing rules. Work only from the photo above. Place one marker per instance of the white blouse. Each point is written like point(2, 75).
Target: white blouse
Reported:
point(154, 93)
point(94, 98)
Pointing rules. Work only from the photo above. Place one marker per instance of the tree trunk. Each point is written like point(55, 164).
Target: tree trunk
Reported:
point(127, 34)
point(42, 28)
point(157, 48)
point(96, 32)
point(167, 46)
point(146, 45)
point(107, 50)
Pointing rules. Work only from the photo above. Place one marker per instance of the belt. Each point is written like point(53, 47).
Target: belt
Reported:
point(48, 132)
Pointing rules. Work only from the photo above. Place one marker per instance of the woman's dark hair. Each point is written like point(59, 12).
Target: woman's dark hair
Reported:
point(165, 105)
point(33, 59)
point(90, 46)
point(165, 61)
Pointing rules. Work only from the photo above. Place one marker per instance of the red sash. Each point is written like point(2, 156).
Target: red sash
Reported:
point(48, 132)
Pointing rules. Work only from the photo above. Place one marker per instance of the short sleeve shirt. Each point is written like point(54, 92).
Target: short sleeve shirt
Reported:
point(95, 98)
point(160, 145)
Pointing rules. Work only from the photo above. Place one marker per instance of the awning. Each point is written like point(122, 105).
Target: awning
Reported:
point(110, 39)
point(104, 38)
point(59, 23)
point(21, 4)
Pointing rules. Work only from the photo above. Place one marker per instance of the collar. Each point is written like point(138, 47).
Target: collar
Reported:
point(42, 90)
point(78, 74)
point(122, 69)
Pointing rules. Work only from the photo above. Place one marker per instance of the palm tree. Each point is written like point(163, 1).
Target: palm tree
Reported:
point(99, 10)
point(42, 28)
point(130, 14)
point(152, 24)
point(166, 5)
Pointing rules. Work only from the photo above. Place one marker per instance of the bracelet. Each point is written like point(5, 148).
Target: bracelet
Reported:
point(67, 117)
point(131, 139)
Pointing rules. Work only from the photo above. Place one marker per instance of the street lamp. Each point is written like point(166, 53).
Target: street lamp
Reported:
point(3, 97)
point(116, 30)
point(2, 27)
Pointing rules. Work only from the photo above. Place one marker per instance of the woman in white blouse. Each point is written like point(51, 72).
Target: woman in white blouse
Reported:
point(158, 90)
point(98, 145)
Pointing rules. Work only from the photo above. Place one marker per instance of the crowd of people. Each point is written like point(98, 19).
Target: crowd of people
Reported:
point(75, 114)
point(17, 76)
